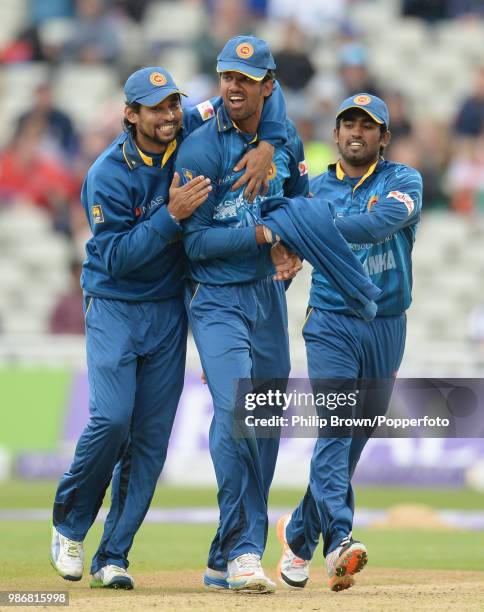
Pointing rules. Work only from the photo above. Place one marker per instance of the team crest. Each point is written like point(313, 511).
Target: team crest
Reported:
point(272, 172)
point(158, 79)
point(371, 202)
point(303, 168)
point(97, 213)
point(188, 174)
point(245, 50)
point(206, 110)
point(362, 100)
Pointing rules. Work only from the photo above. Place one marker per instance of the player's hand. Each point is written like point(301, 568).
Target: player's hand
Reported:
point(287, 264)
point(257, 163)
point(185, 199)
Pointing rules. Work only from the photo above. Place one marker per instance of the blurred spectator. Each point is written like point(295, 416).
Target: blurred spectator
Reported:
point(58, 131)
point(227, 19)
point(318, 154)
point(465, 8)
point(315, 17)
point(67, 316)
point(470, 117)
point(465, 177)
point(95, 38)
point(396, 103)
point(134, 9)
point(354, 71)
point(29, 174)
point(430, 10)
point(42, 10)
point(294, 67)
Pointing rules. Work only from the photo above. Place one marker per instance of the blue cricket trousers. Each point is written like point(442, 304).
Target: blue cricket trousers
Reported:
point(241, 332)
point(136, 362)
point(342, 347)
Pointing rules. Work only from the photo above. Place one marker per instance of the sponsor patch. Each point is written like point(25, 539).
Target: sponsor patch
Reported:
point(206, 110)
point(403, 197)
point(158, 79)
point(371, 202)
point(303, 168)
point(362, 100)
point(245, 50)
point(97, 213)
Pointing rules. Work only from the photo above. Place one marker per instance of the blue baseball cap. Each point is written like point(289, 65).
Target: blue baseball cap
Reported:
point(149, 86)
point(246, 54)
point(372, 105)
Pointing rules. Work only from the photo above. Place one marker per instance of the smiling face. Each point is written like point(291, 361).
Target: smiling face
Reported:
point(156, 126)
point(244, 98)
point(359, 140)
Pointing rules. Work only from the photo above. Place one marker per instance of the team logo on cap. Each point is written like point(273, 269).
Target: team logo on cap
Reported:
point(158, 79)
point(245, 50)
point(362, 100)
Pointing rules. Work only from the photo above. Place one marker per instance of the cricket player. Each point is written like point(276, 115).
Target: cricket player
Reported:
point(136, 325)
point(377, 207)
point(236, 309)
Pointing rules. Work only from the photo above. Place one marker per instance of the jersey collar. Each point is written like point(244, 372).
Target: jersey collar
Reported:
point(225, 123)
point(340, 173)
point(134, 157)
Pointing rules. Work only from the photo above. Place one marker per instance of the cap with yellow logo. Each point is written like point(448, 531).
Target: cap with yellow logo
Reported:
point(149, 86)
point(246, 54)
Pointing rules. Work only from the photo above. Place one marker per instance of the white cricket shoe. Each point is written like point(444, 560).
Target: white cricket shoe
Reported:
point(346, 560)
point(293, 571)
point(245, 574)
point(112, 577)
point(66, 556)
point(215, 579)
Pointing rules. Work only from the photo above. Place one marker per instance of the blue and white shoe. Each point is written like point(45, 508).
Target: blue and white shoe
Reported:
point(245, 575)
point(66, 556)
point(215, 579)
point(112, 577)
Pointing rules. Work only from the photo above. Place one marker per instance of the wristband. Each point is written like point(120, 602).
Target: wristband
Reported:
point(269, 236)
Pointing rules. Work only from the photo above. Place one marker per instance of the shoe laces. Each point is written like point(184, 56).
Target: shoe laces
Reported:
point(71, 547)
point(249, 562)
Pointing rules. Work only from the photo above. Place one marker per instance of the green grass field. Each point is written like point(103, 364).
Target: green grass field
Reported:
point(24, 545)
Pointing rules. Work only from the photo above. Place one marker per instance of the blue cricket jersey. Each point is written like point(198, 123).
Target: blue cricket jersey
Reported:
point(136, 253)
point(219, 237)
point(378, 215)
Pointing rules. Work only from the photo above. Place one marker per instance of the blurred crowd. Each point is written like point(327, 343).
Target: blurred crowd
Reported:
point(46, 158)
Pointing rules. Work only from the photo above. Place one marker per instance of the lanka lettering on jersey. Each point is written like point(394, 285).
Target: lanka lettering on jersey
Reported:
point(135, 252)
point(217, 256)
point(377, 215)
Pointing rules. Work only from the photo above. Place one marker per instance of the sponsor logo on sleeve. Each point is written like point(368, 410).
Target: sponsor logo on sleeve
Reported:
point(404, 198)
point(303, 168)
point(97, 213)
point(206, 110)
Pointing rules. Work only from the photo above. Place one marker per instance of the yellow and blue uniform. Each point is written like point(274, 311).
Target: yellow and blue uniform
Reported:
point(136, 326)
point(238, 316)
point(378, 215)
